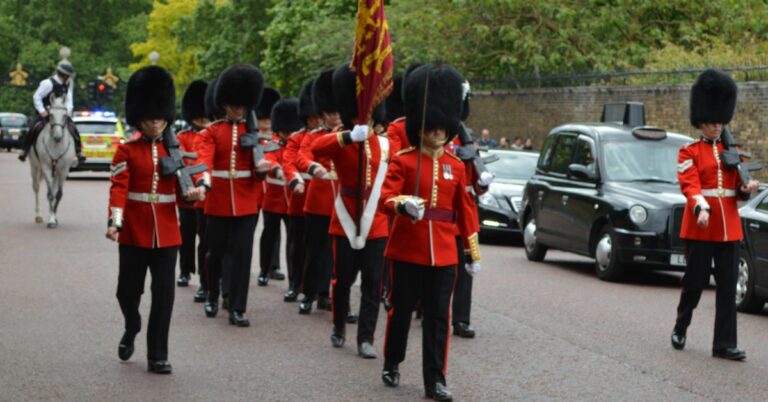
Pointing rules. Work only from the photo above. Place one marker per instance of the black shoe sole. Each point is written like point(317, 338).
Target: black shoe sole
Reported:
point(734, 358)
point(159, 370)
point(241, 324)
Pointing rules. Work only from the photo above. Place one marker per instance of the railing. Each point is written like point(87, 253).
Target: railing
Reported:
point(742, 73)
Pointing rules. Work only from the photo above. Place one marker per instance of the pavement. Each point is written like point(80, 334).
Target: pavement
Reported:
point(546, 331)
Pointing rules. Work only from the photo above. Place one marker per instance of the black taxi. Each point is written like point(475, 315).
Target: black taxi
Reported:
point(608, 191)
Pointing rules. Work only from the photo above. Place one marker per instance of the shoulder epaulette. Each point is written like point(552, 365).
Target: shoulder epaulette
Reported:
point(131, 140)
point(316, 130)
point(405, 151)
point(454, 156)
point(398, 119)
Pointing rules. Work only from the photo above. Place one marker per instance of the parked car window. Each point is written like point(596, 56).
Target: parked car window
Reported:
point(562, 154)
point(513, 166)
point(13, 120)
point(636, 160)
point(763, 205)
point(546, 153)
point(584, 154)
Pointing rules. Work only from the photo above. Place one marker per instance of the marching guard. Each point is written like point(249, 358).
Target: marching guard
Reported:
point(425, 190)
point(193, 112)
point(142, 214)
point(711, 224)
point(319, 201)
point(273, 202)
point(285, 120)
point(298, 183)
point(233, 188)
point(358, 230)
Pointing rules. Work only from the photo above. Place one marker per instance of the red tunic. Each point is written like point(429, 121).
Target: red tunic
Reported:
point(320, 195)
point(472, 188)
point(698, 170)
point(345, 160)
point(430, 241)
point(136, 176)
point(397, 137)
point(275, 198)
point(293, 174)
point(235, 188)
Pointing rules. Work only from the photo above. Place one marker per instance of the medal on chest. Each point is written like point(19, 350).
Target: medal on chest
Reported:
point(447, 172)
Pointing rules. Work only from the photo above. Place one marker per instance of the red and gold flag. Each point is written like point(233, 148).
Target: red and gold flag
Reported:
point(372, 58)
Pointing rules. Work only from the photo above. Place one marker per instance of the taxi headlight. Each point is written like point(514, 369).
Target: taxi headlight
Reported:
point(638, 214)
point(489, 200)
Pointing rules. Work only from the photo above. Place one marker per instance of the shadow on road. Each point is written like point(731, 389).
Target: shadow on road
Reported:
point(502, 240)
point(635, 277)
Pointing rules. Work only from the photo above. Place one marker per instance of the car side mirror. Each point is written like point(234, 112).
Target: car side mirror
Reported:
point(581, 172)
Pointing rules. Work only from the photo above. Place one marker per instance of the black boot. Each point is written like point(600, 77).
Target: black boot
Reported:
point(23, 155)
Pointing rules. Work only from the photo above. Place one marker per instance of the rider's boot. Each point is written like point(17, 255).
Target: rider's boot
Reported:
point(78, 146)
point(29, 139)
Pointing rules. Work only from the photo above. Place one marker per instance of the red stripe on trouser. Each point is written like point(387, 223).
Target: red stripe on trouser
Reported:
point(448, 327)
point(333, 280)
point(392, 309)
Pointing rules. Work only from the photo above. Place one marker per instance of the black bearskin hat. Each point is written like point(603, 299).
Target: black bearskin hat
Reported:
point(211, 110)
point(285, 116)
point(713, 98)
point(322, 93)
point(394, 102)
point(269, 97)
point(344, 95)
point(408, 70)
point(306, 109)
point(379, 115)
point(239, 85)
point(193, 102)
point(150, 94)
point(444, 100)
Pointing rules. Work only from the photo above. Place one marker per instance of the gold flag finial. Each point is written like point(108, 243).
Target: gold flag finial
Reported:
point(110, 79)
point(18, 76)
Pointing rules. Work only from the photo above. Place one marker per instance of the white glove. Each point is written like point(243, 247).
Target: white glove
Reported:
point(472, 268)
point(359, 133)
point(486, 178)
point(414, 207)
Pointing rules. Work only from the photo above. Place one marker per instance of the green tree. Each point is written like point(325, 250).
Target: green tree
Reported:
point(306, 37)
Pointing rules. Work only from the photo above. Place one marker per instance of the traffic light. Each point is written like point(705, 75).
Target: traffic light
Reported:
point(92, 90)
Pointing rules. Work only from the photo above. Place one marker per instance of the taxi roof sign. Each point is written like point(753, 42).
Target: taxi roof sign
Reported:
point(626, 113)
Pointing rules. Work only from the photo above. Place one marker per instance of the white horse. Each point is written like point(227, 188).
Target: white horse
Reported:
point(52, 156)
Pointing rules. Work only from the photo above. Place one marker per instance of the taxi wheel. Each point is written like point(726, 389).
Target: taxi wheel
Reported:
point(746, 299)
point(607, 266)
point(534, 251)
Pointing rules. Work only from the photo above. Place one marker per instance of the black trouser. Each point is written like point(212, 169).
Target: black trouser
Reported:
point(161, 262)
point(236, 232)
point(202, 248)
point(319, 261)
point(269, 244)
point(37, 127)
point(295, 252)
point(700, 255)
point(462, 294)
point(434, 286)
point(188, 228)
point(369, 261)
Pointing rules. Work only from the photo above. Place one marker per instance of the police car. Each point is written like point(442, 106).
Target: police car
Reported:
point(100, 132)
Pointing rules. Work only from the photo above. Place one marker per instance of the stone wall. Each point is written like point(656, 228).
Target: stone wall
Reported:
point(533, 112)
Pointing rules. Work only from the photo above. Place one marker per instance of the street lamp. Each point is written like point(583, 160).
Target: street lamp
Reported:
point(153, 56)
point(64, 53)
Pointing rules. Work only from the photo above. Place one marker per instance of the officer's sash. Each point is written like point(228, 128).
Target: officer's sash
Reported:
point(347, 223)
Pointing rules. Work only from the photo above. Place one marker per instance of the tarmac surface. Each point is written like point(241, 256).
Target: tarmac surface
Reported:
point(546, 331)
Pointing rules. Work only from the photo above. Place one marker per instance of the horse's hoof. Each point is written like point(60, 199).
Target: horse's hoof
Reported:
point(52, 225)
point(38, 219)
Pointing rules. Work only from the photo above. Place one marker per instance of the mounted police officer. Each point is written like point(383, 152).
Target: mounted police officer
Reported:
point(57, 85)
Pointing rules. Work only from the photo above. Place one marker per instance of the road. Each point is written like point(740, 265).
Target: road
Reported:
point(546, 331)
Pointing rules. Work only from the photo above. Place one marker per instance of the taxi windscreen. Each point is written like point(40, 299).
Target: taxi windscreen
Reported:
point(640, 160)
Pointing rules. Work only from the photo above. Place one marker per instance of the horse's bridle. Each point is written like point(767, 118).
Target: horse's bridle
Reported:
point(50, 118)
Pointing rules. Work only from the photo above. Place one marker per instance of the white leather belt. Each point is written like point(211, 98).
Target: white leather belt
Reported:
point(231, 174)
point(306, 176)
point(713, 192)
point(276, 182)
point(152, 198)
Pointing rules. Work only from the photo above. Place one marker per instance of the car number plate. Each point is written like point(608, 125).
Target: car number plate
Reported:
point(677, 260)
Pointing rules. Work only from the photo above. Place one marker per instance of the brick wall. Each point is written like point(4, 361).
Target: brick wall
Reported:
point(533, 112)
